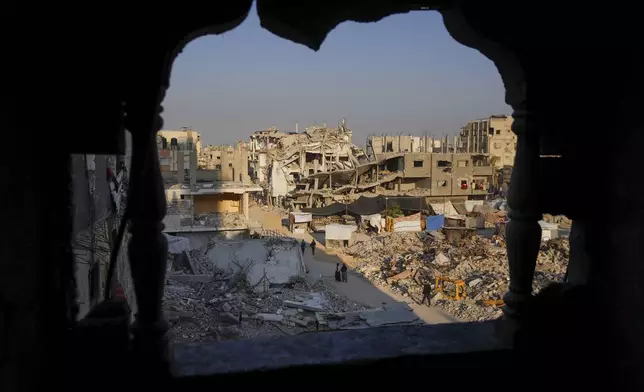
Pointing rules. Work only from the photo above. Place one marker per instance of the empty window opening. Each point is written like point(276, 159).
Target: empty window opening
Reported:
point(230, 165)
point(390, 147)
point(418, 163)
point(444, 164)
point(217, 167)
point(498, 132)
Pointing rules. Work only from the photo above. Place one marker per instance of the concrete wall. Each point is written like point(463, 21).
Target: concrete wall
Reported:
point(284, 263)
point(220, 202)
point(399, 143)
point(412, 171)
point(503, 142)
point(439, 176)
point(279, 185)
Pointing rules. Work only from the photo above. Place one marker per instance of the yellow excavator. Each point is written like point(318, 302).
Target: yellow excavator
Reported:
point(459, 287)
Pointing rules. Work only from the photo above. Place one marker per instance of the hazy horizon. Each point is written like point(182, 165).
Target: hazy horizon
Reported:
point(404, 74)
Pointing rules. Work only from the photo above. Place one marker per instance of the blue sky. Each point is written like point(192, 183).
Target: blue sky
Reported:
point(401, 74)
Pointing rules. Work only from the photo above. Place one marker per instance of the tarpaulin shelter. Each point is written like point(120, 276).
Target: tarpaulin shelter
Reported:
point(373, 205)
point(434, 222)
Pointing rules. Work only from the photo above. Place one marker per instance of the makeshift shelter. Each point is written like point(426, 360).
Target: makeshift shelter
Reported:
point(338, 236)
point(299, 222)
point(435, 222)
point(374, 205)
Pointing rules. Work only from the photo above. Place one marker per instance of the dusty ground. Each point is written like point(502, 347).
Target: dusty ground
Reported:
point(357, 289)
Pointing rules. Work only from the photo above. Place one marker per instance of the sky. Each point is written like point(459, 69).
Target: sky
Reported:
point(404, 73)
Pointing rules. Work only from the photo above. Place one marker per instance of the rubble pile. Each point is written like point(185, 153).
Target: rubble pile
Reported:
point(223, 310)
point(220, 219)
point(407, 261)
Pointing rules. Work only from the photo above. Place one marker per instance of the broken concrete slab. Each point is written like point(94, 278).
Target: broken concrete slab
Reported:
point(269, 317)
point(310, 306)
point(191, 278)
point(397, 315)
point(441, 259)
point(475, 282)
point(403, 275)
point(228, 318)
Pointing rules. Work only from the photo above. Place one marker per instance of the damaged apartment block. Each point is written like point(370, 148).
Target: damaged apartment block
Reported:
point(322, 166)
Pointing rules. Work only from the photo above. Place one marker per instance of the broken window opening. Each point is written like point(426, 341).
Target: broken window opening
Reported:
point(444, 164)
point(418, 163)
point(390, 147)
point(441, 183)
point(218, 167)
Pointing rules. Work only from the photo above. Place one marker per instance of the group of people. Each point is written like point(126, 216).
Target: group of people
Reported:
point(303, 245)
point(341, 273)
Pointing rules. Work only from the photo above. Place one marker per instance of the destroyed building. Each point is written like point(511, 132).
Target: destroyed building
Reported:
point(229, 163)
point(280, 161)
point(207, 188)
point(493, 136)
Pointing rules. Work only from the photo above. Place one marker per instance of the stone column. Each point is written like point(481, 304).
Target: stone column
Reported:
point(523, 231)
point(245, 205)
point(148, 248)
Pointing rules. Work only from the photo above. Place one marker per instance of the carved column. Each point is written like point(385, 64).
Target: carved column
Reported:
point(148, 248)
point(523, 231)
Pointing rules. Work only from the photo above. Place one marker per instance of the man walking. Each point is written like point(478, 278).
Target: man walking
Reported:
point(313, 247)
point(344, 272)
point(427, 294)
point(303, 245)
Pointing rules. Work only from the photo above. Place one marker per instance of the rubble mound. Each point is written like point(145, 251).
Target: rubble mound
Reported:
point(220, 219)
point(405, 262)
point(223, 309)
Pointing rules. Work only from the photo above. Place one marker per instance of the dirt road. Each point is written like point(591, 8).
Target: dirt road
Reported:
point(357, 289)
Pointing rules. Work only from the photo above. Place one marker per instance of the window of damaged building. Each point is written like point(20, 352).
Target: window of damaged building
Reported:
point(444, 164)
point(441, 183)
point(390, 147)
point(462, 163)
point(463, 183)
point(418, 163)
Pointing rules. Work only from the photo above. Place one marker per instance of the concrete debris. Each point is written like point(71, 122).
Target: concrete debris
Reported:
point(395, 260)
point(220, 219)
point(215, 311)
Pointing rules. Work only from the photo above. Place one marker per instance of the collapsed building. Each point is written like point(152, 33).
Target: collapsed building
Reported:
point(321, 166)
point(281, 161)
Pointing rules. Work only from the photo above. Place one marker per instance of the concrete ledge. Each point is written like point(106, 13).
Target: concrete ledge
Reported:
point(334, 348)
point(201, 229)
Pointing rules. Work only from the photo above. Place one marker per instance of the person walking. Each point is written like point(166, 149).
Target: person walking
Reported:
point(427, 294)
point(303, 245)
point(313, 247)
point(344, 272)
point(338, 274)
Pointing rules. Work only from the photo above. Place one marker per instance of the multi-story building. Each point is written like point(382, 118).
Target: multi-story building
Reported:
point(493, 136)
point(280, 160)
point(184, 139)
point(400, 143)
point(230, 162)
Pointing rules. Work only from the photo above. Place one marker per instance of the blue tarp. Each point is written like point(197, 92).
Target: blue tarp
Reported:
point(435, 222)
